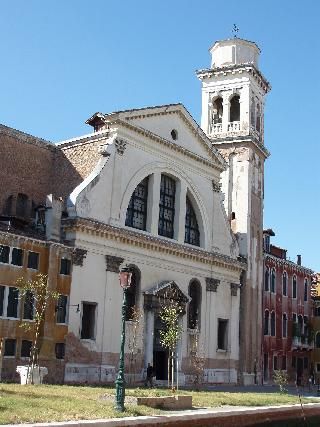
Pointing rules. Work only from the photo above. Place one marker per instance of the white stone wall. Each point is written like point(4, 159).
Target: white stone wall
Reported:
point(104, 197)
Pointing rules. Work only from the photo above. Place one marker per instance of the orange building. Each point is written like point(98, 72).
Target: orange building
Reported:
point(24, 256)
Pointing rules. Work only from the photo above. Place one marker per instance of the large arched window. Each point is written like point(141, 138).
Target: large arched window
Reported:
point(166, 206)
point(137, 209)
point(273, 280)
point(192, 234)
point(194, 311)
point(273, 324)
point(266, 279)
point(266, 322)
point(132, 293)
point(235, 109)
point(258, 118)
point(253, 112)
point(217, 111)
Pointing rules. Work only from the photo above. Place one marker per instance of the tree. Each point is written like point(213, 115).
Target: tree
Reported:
point(170, 312)
point(281, 379)
point(197, 360)
point(35, 294)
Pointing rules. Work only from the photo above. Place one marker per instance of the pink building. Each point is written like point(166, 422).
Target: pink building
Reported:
point(287, 310)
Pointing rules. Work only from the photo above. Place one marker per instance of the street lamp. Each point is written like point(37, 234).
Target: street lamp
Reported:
point(125, 282)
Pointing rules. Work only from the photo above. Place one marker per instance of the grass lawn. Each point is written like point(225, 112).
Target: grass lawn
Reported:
point(43, 403)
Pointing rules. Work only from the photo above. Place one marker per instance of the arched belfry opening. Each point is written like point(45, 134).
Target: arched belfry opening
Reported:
point(217, 110)
point(258, 118)
point(235, 109)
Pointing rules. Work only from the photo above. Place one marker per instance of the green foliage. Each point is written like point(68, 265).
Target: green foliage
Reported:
point(281, 379)
point(42, 297)
point(170, 317)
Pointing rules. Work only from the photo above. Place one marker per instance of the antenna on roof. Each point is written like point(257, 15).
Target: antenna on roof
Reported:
point(235, 30)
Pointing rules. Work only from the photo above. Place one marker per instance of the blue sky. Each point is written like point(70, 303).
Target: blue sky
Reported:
point(63, 60)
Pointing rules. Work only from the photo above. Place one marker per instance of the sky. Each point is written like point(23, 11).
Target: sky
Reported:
point(63, 60)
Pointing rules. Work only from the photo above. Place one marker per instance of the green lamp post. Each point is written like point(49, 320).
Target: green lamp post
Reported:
point(125, 282)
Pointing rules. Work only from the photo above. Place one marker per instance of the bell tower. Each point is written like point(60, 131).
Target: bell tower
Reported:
point(233, 96)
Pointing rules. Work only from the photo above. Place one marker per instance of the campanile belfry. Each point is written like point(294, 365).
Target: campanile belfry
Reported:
point(233, 97)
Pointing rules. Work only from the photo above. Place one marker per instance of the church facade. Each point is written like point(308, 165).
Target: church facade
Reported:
point(183, 208)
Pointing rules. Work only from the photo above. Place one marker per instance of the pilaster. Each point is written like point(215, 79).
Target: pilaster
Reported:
point(153, 203)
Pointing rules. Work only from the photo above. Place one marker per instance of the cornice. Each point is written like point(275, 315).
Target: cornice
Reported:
point(240, 141)
point(238, 68)
point(288, 264)
point(176, 147)
point(7, 236)
point(84, 139)
point(151, 243)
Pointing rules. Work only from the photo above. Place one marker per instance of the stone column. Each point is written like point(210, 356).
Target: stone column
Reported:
point(226, 112)
point(149, 332)
point(153, 203)
point(180, 211)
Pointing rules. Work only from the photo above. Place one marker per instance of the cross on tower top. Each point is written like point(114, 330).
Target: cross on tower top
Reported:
point(235, 30)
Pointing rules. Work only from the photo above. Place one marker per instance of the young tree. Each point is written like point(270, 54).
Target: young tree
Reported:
point(197, 361)
point(170, 312)
point(35, 294)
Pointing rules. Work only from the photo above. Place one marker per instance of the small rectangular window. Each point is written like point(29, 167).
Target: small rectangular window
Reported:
point(4, 254)
point(62, 309)
point(17, 257)
point(60, 349)
point(13, 301)
point(2, 290)
point(33, 260)
point(275, 363)
point(26, 348)
point(65, 266)
point(222, 334)
point(284, 363)
point(88, 321)
point(9, 347)
point(28, 306)
point(305, 363)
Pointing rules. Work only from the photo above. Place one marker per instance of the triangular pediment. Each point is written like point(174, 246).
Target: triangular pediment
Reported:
point(164, 292)
point(172, 123)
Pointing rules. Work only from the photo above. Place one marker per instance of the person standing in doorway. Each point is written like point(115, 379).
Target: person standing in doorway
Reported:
point(149, 379)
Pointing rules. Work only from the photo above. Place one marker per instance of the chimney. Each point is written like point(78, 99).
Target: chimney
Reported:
point(299, 259)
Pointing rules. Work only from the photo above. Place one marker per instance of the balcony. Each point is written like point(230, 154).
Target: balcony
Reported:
point(234, 127)
point(217, 131)
point(302, 343)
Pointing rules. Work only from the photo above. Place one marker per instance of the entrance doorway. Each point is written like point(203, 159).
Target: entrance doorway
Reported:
point(299, 370)
point(160, 354)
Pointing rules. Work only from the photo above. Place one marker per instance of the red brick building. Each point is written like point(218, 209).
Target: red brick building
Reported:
point(287, 311)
